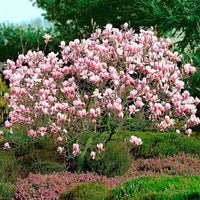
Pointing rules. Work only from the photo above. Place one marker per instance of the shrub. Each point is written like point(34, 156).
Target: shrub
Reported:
point(113, 161)
point(160, 143)
point(7, 191)
point(51, 185)
point(46, 167)
point(115, 73)
point(9, 168)
point(177, 165)
point(83, 191)
point(162, 187)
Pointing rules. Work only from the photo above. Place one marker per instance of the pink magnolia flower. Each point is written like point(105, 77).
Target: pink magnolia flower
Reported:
point(76, 149)
point(92, 113)
point(133, 93)
point(167, 106)
point(62, 44)
point(46, 37)
point(121, 115)
point(125, 25)
point(86, 97)
point(60, 149)
point(1, 133)
point(8, 124)
point(178, 131)
point(59, 139)
point(108, 92)
point(93, 154)
point(42, 131)
point(197, 101)
point(94, 121)
point(179, 84)
point(109, 106)
point(135, 140)
point(167, 119)
point(7, 146)
point(32, 133)
point(189, 132)
point(6, 95)
point(193, 70)
point(100, 147)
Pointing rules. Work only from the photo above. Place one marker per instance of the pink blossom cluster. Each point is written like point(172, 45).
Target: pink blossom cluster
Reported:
point(126, 72)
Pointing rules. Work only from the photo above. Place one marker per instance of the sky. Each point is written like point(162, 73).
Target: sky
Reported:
point(18, 11)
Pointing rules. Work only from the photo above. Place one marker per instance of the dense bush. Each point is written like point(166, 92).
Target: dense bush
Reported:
point(7, 191)
point(46, 167)
point(87, 191)
point(160, 143)
point(9, 168)
point(155, 188)
point(113, 161)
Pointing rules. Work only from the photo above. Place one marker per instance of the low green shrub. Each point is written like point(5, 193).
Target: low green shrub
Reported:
point(86, 191)
point(115, 160)
point(7, 191)
point(162, 187)
point(46, 167)
point(9, 168)
point(155, 144)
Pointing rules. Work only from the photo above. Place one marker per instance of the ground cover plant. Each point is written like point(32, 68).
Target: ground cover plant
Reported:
point(53, 185)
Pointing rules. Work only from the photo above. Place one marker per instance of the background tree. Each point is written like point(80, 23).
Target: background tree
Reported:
point(17, 39)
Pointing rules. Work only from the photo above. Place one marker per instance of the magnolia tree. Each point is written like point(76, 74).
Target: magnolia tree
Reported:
point(113, 75)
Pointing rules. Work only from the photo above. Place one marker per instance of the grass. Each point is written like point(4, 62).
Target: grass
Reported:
point(163, 187)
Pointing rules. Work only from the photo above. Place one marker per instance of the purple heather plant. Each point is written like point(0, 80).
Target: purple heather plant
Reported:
point(49, 186)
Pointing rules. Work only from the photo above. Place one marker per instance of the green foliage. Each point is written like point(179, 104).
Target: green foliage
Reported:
point(160, 143)
point(86, 191)
point(31, 154)
point(9, 168)
point(16, 40)
point(170, 17)
point(7, 191)
point(113, 161)
point(3, 102)
point(46, 167)
point(155, 188)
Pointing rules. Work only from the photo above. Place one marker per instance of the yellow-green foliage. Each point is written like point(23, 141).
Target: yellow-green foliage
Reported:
point(3, 102)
